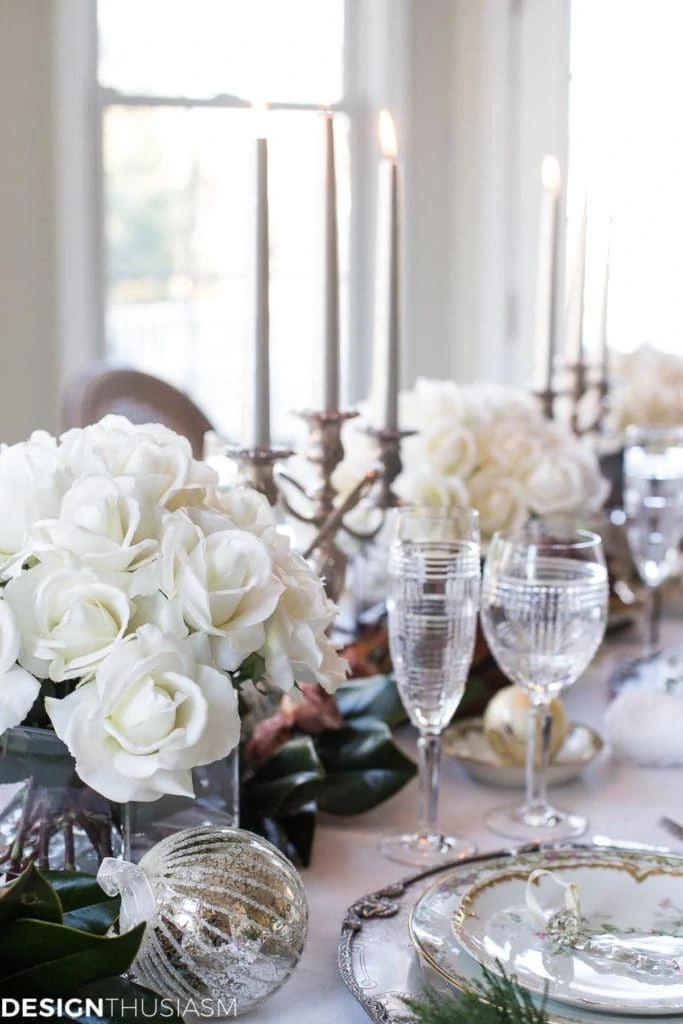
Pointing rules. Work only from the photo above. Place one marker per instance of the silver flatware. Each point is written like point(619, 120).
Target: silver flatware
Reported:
point(671, 826)
point(606, 843)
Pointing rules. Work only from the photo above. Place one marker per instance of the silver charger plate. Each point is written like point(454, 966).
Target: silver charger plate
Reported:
point(377, 960)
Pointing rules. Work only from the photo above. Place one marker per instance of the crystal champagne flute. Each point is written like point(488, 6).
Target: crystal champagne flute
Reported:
point(544, 608)
point(653, 505)
point(432, 605)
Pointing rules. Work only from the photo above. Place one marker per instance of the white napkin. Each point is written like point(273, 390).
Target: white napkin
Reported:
point(646, 727)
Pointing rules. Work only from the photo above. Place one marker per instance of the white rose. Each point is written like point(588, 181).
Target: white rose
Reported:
point(103, 523)
point(435, 400)
point(499, 499)
point(159, 460)
point(446, 448)
point(220, 579)
point(18, 688)
point(512, 445)
point(249, 509)
point(556, 483)
point(70, 617)
point(31, 488)
point(297, 648)
point(421, 487)
point(156, 709)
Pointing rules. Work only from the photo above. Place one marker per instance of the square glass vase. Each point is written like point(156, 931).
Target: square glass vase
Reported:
point(50, 817)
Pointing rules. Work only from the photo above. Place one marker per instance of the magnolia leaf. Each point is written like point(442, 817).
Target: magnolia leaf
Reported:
point(75, 888)
point(30, 895)
point(274, 787)
point(294, 756)
point(293, 833)
point(363, 767)
point(39, 957)
point(96, 918)
point(376, 697)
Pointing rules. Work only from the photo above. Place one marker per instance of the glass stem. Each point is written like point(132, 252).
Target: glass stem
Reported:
point(537, 753)
point(654, 619)
point(428, 764)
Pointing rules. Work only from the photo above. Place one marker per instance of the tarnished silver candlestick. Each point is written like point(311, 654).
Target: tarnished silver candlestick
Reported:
point(389, 459)
point(255, 468)
point(579, 376)
point(324, 450)
point(586, 386)
point(546, 400)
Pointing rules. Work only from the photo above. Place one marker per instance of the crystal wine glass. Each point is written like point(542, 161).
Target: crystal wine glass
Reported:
point(432, 604)
point(653, 505)
point(544, 607)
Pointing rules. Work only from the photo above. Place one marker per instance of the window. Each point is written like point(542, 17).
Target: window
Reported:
point(176, 79)
point(626, 83)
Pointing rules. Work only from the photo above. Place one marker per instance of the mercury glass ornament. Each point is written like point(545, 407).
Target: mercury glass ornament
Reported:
point(227, 918)
point(506, 724)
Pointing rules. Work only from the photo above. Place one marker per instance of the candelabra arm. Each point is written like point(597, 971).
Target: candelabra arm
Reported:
point(279, 475)
point(334, 521)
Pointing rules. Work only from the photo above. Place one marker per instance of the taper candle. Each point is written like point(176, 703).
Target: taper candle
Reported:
point(387, 297)
point(331, 273)
point(575, 355)
point(603, 351)
point(546, 277)
point(257, 386)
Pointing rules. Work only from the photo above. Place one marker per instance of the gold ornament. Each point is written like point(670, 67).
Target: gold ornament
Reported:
point(506, 725)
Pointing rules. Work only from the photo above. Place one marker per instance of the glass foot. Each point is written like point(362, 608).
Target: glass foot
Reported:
point(550, 825)
point(425, 851)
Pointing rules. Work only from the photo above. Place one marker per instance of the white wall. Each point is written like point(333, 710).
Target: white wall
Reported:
point(27, 220)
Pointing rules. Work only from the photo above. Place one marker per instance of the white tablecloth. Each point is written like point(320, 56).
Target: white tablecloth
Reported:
point(622, 801)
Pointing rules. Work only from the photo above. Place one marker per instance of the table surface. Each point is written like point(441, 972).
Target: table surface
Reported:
point(621, 800)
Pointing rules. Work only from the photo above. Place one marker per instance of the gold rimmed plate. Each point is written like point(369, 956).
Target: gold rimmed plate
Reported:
point(476, 917)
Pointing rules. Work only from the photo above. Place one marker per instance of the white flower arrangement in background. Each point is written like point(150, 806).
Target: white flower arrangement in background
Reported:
point(484, 446)
point(647, 390)
point(135, 594)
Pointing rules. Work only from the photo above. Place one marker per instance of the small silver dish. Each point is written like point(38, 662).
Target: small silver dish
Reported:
point(465, 741)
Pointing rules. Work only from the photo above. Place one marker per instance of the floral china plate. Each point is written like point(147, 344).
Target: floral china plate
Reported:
point(478, 916)
point(465, 741)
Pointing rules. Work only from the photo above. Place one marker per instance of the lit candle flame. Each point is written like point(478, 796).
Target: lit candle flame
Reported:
point(387, 135)
point(260, 110)
point(551, 176)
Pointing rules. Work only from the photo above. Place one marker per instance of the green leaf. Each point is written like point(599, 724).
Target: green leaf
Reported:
point(363, 767)
point(292, 834)
point(496, 1000)
point(75, 888)
point(376, 697)
point(96, 919)
point(125, 1002)
point(294, 756)
point(49, 959)
point(30, 895)
point(274, 787)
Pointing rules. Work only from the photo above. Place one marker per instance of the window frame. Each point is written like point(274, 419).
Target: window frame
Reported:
point(486, 62)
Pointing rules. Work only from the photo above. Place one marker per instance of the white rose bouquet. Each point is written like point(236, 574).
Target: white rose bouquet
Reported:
point(484, 446)
point(647, 389)
point(135, 596)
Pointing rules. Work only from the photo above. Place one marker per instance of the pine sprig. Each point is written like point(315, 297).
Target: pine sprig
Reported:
point(498, 1000)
